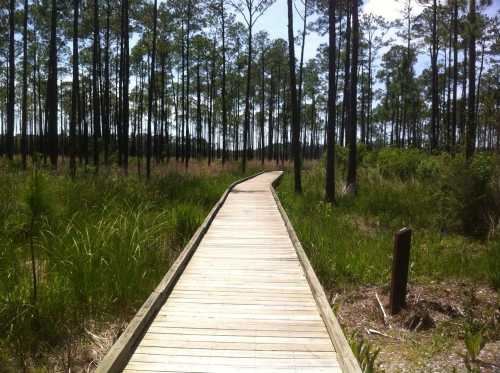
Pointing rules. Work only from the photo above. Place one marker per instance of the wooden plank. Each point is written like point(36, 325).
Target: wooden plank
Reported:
point(120, 352)
point(243, 301)
point(347, 360)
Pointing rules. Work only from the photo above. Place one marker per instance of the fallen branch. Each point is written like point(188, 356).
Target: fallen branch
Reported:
point(374, 331)
point(386, 320)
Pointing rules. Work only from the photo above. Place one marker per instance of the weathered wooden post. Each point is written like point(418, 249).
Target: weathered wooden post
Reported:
point(400, 264)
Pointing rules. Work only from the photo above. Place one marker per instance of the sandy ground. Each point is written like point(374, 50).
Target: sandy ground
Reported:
point(427, 336)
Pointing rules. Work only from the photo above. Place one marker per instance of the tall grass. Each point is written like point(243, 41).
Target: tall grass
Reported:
point(102, 244)
point(351, 243)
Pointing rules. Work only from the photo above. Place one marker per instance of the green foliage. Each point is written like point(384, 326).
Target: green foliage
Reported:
point(364, 353)
point(351, 243)
point(474, 343)
point(494, 263)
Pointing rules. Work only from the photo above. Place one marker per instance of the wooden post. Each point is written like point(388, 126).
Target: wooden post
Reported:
point(400, 264)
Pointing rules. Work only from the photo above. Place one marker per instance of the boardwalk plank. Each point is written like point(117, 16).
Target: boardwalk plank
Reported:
point(243, 303)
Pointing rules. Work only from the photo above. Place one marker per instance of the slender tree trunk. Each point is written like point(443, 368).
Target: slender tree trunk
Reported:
point(106, 99)
point(330, 150)
point(301, 66)
point(75, 92)
point(434, 88)
point(188, 139)
point(247, 96)
point(455, 74)
point(352, 123)
point(198, 109)
point(52, 92)
point(125, 83)
point(224, 103)
point(471, 109)
point(262, 106)
point(345, 103)
point(294, 102)
point(151, 95)
point(24, 119)
point(96, 75)
point(11, 90)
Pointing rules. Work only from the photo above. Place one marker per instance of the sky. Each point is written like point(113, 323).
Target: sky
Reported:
point(275, 22)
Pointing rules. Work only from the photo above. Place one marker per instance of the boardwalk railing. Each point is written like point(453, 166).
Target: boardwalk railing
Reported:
point(117, 357)
point(347, 361)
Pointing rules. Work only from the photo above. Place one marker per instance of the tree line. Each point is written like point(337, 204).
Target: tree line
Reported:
point(98, 82)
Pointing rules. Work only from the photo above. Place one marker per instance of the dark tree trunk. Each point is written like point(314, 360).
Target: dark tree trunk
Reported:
point(75, 93)
point(345, 103)
point(11, 91)
point(352, 123)
point(96, 75)
point(294, 102)
point(198, 109)
point(455, 74)
point(471, 111)
point(224, 103)
point(151, 94)
point(434, 88)
point(262, 107)
point(52, 93)
point(24, 119)
point(125, 83)
point(330, 136)
point(246, 124)
point(301, 68)
point(106, 103)
point(270, 130)
point(188, 139)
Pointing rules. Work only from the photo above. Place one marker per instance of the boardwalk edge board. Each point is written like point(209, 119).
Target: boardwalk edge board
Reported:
point(346, 358)
point(119, 354)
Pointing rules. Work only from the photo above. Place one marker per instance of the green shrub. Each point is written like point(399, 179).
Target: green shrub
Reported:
point(399, 162)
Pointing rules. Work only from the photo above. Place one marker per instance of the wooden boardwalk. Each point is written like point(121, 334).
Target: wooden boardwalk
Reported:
point(242, 303)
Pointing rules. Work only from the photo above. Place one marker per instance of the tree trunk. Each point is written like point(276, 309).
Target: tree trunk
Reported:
point(96, 75)
point(294, 102)
point(247, 96)
point(455, 74)
point(435, 101)
point(52, 93)
point(151, 94)
point(188, 139)
point(224, 103)
point(352, 123)
point(106, 102)
point(24, 119)
point(75, 92)
point(330, 150)
point(345, 103)
point(11, 91)
point(125, 83)
point(471, 109)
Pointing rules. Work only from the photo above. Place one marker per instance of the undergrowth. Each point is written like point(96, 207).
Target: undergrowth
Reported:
point(453, 208)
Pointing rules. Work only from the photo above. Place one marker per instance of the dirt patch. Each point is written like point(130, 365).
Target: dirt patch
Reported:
point(428, 335)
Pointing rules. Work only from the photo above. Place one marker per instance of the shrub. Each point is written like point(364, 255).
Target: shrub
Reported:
point(399, 162)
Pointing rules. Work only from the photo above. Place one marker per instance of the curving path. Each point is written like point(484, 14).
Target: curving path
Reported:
point(243, 303)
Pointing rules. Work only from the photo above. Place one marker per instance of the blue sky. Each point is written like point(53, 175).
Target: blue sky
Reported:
point(275, 22)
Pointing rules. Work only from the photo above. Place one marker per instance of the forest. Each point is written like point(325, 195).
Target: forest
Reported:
point(122, 123)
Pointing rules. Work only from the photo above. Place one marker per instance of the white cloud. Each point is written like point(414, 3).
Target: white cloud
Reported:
point(389, 9)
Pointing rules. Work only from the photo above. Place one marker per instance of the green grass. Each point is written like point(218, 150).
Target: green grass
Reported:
point(351, 243)
point(101, 245)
